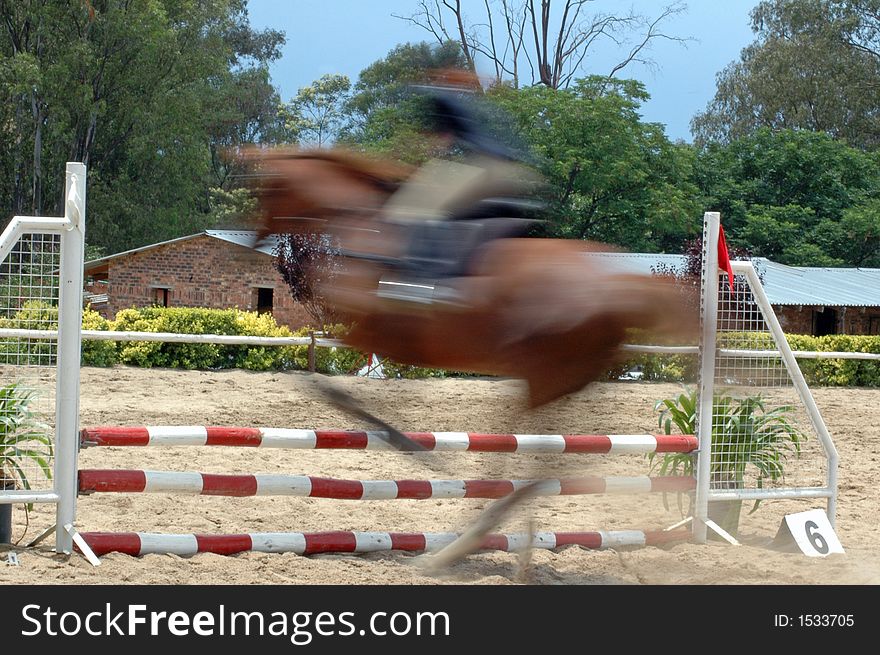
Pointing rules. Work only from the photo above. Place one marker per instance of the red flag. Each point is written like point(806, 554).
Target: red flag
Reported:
point(724, 257)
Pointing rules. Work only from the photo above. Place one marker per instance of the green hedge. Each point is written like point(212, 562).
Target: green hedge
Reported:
point(330, 360)
point(184, 320)
point(97, 353)
point(654, 368)
point(817, 372)
point(659, 368)
point(839, 372)
point(33, 315)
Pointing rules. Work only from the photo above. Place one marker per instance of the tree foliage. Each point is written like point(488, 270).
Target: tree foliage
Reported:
point(150, 95)
point(384, 114)
point(612, 178)
point(814, 65)
point(797, 197)
point(316, 115)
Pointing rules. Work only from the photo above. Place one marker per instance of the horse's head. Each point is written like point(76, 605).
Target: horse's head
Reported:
point(319, 190)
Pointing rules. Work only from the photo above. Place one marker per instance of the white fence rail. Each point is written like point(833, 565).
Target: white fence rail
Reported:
point(324, 342)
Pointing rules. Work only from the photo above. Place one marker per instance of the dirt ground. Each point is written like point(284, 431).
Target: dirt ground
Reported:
point(129, 396)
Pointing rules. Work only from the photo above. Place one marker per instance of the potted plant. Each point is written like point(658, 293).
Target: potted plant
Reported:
point(23, 439)
point(747, 437)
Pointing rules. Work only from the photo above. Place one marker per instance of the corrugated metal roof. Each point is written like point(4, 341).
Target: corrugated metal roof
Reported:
point(635, 262)
point(849, 287)
point(247, 239)
point(784, 285)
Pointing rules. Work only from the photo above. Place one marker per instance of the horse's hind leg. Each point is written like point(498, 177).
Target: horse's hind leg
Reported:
point(347, 403)
point(472, 538)
point(387, 432)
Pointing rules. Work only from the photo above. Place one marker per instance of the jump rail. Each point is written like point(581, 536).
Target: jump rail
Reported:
point(211, 484)
point(246, 340)
point(303, 543)
point(367, 440)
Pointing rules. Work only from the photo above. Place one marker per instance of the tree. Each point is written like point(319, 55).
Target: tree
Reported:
point(611, 177)
point(514, 35)
point(815, 65)
point(317, 114)
point(243, 110)
point(306, 262)
point(797, 197)
point(130, 89)
point(383, 113)
point(855, 238)
point(385, 83)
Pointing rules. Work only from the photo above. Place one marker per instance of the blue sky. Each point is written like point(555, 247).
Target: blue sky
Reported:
point(345, 36)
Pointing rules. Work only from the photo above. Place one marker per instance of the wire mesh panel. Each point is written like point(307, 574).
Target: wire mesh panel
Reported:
point(761, 434)
point(29, 295)
point(763, 437)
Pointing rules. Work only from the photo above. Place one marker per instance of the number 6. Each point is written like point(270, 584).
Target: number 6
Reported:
point(816, 539)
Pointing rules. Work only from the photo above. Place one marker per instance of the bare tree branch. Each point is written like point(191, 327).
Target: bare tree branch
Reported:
point(428, 20)
point(561, 42)
point(462, 33)
point(515, 37)
point(498, 62)
point(651, 34)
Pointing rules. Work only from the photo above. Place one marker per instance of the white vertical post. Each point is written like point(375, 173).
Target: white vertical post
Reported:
point(69, 332)
point(708, 337)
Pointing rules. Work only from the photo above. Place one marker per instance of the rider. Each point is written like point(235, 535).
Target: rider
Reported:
point(450, 207)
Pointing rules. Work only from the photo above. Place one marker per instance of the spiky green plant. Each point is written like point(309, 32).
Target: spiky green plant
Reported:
point(745, 434)
point(23, 438)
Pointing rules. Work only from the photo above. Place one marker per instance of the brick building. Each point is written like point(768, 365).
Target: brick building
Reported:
point(226, 268)
point(807, 300)
point(218, 269)
point(820, 301)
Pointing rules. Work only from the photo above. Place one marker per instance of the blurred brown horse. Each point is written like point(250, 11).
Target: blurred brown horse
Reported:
point(434, 273)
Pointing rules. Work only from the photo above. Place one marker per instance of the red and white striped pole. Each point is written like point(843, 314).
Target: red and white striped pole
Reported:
point(366, 440)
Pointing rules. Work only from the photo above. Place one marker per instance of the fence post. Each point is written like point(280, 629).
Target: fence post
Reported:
point(312, 351)
point(69, 343)
point(708, 336)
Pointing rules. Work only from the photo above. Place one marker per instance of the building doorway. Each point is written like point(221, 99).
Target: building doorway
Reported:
point(265, 300)
point(824, 322)
point(161, 296)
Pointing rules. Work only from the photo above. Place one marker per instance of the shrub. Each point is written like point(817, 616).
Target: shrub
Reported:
point(411, 372)
point(24, 438)
point(748, 439)
point(33, 315)
point(260, 358)
point(839, 372)
point(183, 320)
point(97, 353)
point(818, 372)
point(329, 360)
point(659, 368)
